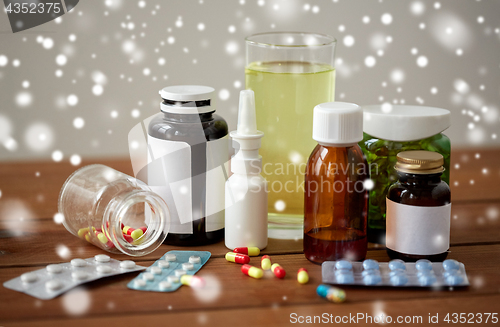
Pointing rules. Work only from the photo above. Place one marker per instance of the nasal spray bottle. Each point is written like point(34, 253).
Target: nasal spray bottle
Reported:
point(246, 189)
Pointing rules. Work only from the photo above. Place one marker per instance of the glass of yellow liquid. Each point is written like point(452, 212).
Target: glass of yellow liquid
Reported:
point(290, 73)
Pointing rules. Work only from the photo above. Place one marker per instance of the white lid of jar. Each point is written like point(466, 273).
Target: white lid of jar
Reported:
point(187, 93)
point(402, 123)
point(337, 123)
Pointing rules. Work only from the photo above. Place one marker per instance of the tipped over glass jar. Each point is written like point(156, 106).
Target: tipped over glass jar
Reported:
point(113, 211)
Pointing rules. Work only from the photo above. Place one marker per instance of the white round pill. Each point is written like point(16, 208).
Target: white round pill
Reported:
point(180, 272)
point(54, 269)
point(194, 259)
point(79, 275)
point(173, 279)
point(53, 285)
point(148, 276)
point(164, 285)
point(103, 269)
point(140, 283)
point(127, 264)
point(170, 257)
point(156, 270)
point(187, 266)
point(78, 263)
point(163, 264)
point(29, 277)
point(102, 258)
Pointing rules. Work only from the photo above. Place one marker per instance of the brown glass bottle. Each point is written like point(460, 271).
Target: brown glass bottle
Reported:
point(335, 200)
point(420, 185)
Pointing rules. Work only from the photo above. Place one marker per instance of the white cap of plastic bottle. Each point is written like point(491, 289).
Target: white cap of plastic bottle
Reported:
point(338, 123)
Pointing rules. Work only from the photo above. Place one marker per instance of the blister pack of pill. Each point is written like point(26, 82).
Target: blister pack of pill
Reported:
point(422, 273)
point(56, 279)
point(172, 270)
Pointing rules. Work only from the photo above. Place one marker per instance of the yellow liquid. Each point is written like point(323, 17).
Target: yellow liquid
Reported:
point(285, 96)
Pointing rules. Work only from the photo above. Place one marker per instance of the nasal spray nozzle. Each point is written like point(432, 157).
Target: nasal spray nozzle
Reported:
point(247, 120)
point(247, 158)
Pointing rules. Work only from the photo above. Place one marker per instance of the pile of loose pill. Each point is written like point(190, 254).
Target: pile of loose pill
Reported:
point(242, 256)
point(130, 234)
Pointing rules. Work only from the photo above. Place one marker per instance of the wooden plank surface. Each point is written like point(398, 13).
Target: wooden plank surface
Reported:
point(414, 310)
point(228, 288)
point(29, 239)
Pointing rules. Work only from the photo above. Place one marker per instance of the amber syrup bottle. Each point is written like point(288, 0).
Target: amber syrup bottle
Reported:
point(418, 209)
point(335, 199)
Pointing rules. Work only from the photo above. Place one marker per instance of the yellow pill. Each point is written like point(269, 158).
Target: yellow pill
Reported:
point(278, 271)
point(87, 238)
point(125, 229)
point(252, 271)
point(136, 234)
point(302, 276)
point(138, 241)
point(237, 258)
point(82, 232)
point(251, 251)
point(102, 238)
point(265, 262)
point(193, 281)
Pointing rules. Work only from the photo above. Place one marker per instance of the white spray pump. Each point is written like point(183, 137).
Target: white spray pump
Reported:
point(246, 189)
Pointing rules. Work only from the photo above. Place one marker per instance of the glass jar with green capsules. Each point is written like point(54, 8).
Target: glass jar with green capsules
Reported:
point(390, 129)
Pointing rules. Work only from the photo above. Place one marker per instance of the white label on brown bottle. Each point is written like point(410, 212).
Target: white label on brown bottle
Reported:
point(417, 230)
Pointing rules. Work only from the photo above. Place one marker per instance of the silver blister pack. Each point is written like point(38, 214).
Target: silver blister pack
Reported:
point(165, 275)
point(56, 279)
point(422, 273)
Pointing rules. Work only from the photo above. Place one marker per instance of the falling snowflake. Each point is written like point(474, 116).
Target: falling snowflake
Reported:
point(224, 94)
point(348, 40)
point(57, 155)
point(386, 19)
point(75, 160)
point(48, 43)
point(61, 60)
point(78, 122)
point(72, 100)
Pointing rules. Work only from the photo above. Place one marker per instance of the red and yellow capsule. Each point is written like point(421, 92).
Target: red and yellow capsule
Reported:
point(237, 257)
point(104, 239)
point(128, 230)
point(252, 271)
point(278, 271)
point(136, 234)
point(265, 262)
point(302, 276)
point(251, 251)
point(82, 232)
point(193, 281)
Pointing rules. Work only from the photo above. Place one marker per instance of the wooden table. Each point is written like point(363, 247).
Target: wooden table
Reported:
point(30, 239)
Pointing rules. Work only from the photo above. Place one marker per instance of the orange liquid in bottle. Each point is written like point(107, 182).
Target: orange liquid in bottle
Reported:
point(336, 203)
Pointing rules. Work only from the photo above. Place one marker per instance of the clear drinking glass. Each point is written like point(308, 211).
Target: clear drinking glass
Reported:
point(98, 202)
point(290, 73)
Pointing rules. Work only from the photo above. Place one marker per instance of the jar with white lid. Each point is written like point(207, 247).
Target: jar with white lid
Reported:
point(388, 130)
point(188, 163)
